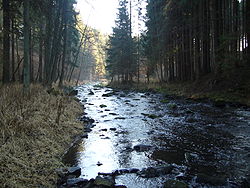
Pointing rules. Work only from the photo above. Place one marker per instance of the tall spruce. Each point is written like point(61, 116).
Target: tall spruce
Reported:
point(121, 62)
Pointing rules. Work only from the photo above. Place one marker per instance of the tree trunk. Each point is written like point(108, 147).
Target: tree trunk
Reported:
point(57, 37)
point(26, 68)
point(18, 59)
point(65, 43)
point(13, 50)
point(31, 57)
point(6, 41)
point(40, 68)
point(80, 72)
point(47, 44)
point(248, 29)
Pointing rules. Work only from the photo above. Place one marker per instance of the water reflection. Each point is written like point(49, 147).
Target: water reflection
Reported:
point(101, 157)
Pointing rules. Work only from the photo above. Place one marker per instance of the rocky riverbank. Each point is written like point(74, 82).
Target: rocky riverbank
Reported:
point(234, 91)
point(70, 177)
point(35, 133)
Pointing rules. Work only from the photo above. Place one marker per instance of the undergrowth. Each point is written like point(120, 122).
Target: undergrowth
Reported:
point(34, 133)
point(227, 91)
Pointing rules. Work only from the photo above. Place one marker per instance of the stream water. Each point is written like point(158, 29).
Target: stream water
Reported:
point(206, 146)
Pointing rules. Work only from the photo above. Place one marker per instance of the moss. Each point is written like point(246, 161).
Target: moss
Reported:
point(172, 106)
point(164, 101)
point(35, 132)
point(152, 116)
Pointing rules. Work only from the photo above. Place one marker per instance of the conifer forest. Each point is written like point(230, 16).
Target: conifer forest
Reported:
point(185, 40)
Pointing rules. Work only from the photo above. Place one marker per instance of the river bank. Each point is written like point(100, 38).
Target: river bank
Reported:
point(218, 91)
point(35, 133)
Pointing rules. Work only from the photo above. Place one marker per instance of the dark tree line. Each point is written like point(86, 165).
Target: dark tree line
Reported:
point(121, 57)
point(40, 40)
point(187, 39)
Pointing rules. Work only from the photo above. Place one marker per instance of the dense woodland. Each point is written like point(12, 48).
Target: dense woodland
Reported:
point(185, 40)
point(46, 42)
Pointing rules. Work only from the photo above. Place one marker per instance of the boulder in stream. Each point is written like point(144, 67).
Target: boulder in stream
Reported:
point(175, 184)
point(113, 114)
point(99, 163)
point(108, 94)
point(142, 147)
point(106, 138)
point(212, 180)
point(191, 157)
point(152, 172)
point(71, 171)
point(86, 119)
point(73, 92)
point(103, 106)
point(77, 182)
point(107, 181)
point(91, 92)
point(85, 135)
point(149, 172)
point(120, 118)
point(125, 171)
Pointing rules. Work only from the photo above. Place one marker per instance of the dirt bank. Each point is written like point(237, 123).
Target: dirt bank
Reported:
point(234, 90)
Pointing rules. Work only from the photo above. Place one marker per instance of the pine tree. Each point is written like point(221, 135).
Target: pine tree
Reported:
point(121, 61)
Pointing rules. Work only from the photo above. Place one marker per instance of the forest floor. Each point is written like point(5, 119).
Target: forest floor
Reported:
point(34, 134)
point(235, 90)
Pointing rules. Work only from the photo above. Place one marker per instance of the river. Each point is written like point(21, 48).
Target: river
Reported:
point(206, 146)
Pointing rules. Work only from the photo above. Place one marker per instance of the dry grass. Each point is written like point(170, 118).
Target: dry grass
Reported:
point(34, 133)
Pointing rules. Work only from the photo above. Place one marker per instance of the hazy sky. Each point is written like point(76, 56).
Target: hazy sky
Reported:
point(99, 14)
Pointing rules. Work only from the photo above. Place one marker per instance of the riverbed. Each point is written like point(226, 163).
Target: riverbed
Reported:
point(206, 145)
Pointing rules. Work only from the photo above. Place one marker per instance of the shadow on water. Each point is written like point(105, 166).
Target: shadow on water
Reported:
point(71, 157)
point(207, 146)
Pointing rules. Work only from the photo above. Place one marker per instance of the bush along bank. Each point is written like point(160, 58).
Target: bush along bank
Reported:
point(35, 132)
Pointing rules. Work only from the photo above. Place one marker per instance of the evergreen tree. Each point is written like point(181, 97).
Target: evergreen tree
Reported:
point(121, 61)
